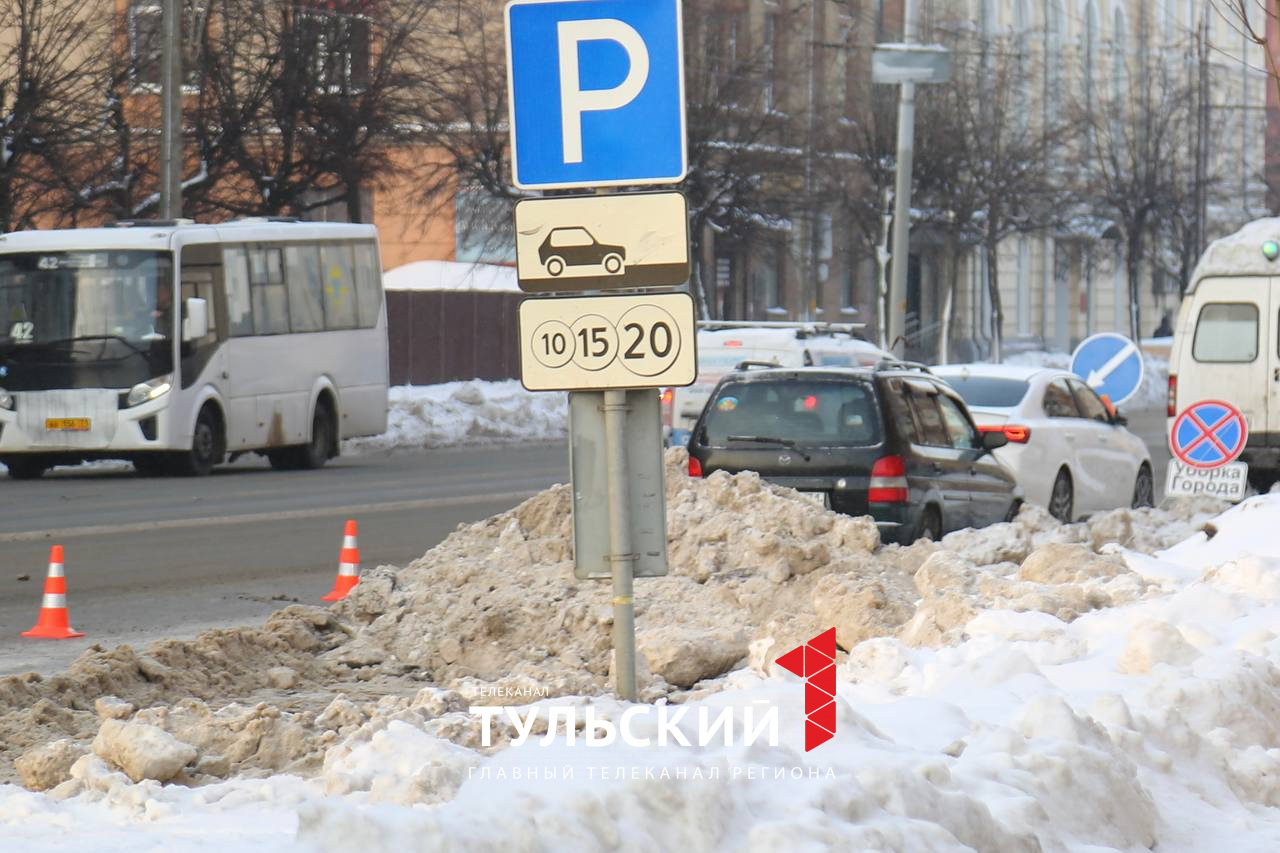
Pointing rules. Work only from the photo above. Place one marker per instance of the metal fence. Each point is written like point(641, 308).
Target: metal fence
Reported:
point(444, 336)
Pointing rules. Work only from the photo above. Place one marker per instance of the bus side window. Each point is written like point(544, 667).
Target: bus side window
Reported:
point(339, 286)
point(302, 271)
point(270, 300)
point(369, 287)
point(235, 265)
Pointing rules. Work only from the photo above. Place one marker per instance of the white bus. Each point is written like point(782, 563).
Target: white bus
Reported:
point(275, 344)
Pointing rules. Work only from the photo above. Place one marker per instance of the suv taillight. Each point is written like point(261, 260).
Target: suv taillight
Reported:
point(888, 481)
point(695, 467)
point(1171, 407)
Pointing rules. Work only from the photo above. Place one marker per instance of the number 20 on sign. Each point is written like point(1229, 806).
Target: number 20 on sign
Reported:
point(600, 342)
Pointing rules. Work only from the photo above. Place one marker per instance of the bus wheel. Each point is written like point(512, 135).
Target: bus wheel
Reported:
point(26, 467)
point(323, 432)
point(207, 446)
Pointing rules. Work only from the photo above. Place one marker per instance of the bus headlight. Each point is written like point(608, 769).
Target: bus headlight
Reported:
point(6, 400)
point(150, 390)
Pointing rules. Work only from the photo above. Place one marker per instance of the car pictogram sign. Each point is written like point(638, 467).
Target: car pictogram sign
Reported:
point(1208, 434)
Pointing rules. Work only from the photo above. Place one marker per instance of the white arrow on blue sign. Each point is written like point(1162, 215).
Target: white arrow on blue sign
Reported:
point(596, 92)
point(1110, 364)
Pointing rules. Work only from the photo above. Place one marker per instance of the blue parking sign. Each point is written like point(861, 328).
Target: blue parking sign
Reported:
point(596, 92)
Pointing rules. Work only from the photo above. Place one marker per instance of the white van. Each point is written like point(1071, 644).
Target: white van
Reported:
point(722, 346)
point(1226, 343)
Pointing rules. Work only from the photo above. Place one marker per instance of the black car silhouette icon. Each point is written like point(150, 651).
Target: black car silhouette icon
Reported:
point(575, 247)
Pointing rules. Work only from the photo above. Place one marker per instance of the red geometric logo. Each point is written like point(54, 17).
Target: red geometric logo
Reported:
point(815, 662)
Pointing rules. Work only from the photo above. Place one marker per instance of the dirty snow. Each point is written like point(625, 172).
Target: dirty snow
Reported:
point(1031, 686)
point(472, 412)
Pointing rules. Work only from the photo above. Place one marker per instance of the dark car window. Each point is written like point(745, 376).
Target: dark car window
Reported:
point(989, 390)
point(898, 397)
point(1058, 402)
point(829, 413)
point(930, 429)
point(959, 430)
point(1090, 406)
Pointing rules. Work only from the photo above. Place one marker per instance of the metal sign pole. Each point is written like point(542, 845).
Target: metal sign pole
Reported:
point(621, 557)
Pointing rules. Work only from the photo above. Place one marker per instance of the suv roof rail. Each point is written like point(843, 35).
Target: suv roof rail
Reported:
point(802, 328)
point(266, 219)
point(895, 364)
point(755, 365)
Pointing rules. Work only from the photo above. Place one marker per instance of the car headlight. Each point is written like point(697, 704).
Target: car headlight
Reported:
point(149, 390)
point(6, 400)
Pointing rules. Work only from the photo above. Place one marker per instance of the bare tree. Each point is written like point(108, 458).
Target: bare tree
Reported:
point(983, 162)
point(1132, 153)
point(47, 101)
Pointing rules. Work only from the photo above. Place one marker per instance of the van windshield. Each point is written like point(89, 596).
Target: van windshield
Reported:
point(825, 413)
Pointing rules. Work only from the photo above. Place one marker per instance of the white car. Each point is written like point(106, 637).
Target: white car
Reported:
point(1067, 450)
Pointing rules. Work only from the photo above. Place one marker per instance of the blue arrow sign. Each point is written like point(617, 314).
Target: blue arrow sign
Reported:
point(596, 92)
point(1110, 364)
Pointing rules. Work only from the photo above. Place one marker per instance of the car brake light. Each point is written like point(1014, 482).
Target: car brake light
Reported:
point(1015, 434)
point(665, 399)
point(1171, 409)
point(695, 467)
point(888, 481)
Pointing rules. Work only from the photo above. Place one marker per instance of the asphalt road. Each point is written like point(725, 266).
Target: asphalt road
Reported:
point(167, 557)
point(162, 557)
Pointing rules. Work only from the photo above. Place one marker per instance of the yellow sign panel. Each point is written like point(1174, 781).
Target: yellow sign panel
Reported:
point(597, 342)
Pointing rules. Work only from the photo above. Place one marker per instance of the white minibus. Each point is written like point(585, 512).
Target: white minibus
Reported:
point(175, 345)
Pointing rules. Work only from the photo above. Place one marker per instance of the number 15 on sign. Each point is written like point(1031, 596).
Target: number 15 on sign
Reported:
point(598, 342)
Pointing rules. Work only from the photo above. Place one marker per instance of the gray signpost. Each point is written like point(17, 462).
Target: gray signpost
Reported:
point(611, 350)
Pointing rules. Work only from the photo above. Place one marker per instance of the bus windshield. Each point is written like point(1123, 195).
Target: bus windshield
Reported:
point(85, 319)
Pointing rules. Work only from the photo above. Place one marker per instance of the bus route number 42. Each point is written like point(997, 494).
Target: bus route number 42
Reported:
point(625, 341)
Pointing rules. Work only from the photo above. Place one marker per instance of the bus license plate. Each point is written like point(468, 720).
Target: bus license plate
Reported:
point(72, 424)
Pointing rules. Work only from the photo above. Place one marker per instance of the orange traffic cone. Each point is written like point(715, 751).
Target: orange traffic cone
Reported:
point(348, 565)
point(53, 624)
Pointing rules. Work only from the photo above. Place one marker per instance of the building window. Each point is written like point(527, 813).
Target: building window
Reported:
point(483, 228)
point(766, 276)
point(337, 45)
point(145, 30)
point(768, 60)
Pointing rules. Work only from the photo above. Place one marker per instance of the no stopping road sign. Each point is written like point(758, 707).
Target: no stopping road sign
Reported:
point(1208, 434)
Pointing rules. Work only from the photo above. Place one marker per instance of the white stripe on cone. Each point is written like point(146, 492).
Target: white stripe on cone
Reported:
point(54, 600)
point(55, 570)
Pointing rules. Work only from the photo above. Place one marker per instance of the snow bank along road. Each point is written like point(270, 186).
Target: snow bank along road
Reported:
point(160, 557)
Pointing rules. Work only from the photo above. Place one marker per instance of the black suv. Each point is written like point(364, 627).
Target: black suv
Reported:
point(893, 442)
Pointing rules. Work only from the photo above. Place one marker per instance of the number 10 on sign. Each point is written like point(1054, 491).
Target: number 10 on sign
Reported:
point(598, 342)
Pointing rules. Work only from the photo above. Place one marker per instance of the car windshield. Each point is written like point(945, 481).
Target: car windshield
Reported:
point(84, 318)
point(989, 391)
point(826, 413)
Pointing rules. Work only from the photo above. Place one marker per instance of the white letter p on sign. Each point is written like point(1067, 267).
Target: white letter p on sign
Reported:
point(573, 100)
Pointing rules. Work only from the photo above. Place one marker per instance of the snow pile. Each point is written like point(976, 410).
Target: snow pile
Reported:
point(1151, 394)
point(451, 275)
point(472, 412)
point(1024, 687)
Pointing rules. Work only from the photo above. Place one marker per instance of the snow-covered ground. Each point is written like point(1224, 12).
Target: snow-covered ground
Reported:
point(472, 412)
point(1089, 698)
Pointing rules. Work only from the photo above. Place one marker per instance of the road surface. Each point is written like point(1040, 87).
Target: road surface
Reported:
point(167, 557)
point(148, 558)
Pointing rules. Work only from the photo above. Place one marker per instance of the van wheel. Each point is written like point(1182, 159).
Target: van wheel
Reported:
point(26, 467)
point(1262, 479)
point(930, 526)
point(1143, 488)
point(208, 446)
point(1062, 498)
